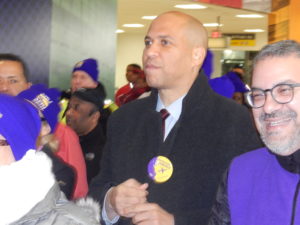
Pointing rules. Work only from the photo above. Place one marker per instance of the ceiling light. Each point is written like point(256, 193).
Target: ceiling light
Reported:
point(118, 31)
point(133, 25)
point(149, 17)
point(227, 51)
point(254, 30)
point(249, 16)
point(212, 25)
point(190, 6)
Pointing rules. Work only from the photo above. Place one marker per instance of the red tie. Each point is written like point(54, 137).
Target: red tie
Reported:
point(164, 115)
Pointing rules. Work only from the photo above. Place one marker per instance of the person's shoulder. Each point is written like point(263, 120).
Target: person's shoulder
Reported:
point(134, 107)
point(63, 129)
point(84, 211)
point(226, 104)
point(87, 211)
point(123, 89)
point(258, 156)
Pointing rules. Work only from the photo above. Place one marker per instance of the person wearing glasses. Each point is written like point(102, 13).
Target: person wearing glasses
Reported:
point(262, 186)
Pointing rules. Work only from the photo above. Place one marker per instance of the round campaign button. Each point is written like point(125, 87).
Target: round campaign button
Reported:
point(160, 169)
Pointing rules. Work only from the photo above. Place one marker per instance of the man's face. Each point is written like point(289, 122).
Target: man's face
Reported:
point(238, 97)
point(79, 116)
point(12, 78)
point(132, 74)
point(239, 71)
point(81, 79)
point(278, 124)
point(167, 56)
point(6, 155)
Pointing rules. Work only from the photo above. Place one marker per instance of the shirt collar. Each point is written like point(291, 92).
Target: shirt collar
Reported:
point(174, 109)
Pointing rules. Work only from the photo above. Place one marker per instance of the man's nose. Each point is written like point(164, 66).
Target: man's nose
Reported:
point(270, 104)
point(151, 50)
point(3, 86)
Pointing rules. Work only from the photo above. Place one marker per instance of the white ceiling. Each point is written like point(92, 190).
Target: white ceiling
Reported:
point(131, 11)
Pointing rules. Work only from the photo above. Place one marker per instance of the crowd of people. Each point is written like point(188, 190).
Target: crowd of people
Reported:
point(178, 150)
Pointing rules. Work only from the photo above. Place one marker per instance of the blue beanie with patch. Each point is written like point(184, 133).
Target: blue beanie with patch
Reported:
point(20, 124)
point(46, 100)
point(90, 66)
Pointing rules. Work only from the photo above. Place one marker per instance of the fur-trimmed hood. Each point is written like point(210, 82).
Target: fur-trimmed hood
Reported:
point(28, 192)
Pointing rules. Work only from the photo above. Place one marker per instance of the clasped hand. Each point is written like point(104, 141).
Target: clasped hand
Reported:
point(129, 199)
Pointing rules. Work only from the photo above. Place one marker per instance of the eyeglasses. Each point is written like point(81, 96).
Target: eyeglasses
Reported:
point(281, 93)
point(4, 143)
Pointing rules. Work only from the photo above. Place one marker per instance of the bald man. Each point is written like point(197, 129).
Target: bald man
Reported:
point(166, 171)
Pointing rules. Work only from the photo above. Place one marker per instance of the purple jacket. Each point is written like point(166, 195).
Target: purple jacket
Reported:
point(260, 191)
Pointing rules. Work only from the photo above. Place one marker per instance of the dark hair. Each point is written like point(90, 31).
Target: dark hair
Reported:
point(238, 66)
point(12, 57)
point(135, 65)
point(278, 49)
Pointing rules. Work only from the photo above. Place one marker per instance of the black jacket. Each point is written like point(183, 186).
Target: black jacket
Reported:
point(64, 174)
point(92, 146)
point(211, 130)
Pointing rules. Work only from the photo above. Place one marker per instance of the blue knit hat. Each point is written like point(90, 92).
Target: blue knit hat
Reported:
point(237, 82)
point(20, 124)
point(207, 65)
point(223, 86)
point(90, 66)
point(46, 100)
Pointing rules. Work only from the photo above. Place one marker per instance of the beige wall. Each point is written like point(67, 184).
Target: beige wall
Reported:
point(129, 50)
point(83, 29)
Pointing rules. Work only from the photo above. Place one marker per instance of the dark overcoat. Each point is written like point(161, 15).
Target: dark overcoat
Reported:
point(211, 130)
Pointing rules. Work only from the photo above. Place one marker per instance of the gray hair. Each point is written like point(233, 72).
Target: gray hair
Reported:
point(278, 49)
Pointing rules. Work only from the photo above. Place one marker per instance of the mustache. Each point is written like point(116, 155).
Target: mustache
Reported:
point(278, 114)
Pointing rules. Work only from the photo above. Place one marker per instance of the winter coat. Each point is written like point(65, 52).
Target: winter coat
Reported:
point(211, 130)
point(30, 195)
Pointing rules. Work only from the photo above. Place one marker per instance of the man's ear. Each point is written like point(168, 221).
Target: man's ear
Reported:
point(96, 116)
point(45, 129)
point(199, 54)
point(29, 84)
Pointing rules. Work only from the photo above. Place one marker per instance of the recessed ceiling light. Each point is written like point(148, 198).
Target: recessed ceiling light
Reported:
point(190, 6)
point(227, 51)
point(136, 25)
point(249, 16)
point(118, 31)
point(254, 30)
point(149, 17)
point(212, 25)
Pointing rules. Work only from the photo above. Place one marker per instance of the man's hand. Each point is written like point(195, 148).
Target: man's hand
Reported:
point(149, 214)
point(126, 194)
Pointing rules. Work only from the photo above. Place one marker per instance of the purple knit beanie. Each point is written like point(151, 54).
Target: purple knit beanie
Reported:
point(237, 82)
point(46, 100)
point(90, 66)
point(222, 85)
point(20, 124)
point(207, 65)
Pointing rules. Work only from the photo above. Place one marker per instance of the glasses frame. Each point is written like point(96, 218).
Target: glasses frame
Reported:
point(247, 94)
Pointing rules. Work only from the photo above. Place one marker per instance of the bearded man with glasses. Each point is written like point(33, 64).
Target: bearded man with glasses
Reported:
point(262, 186)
